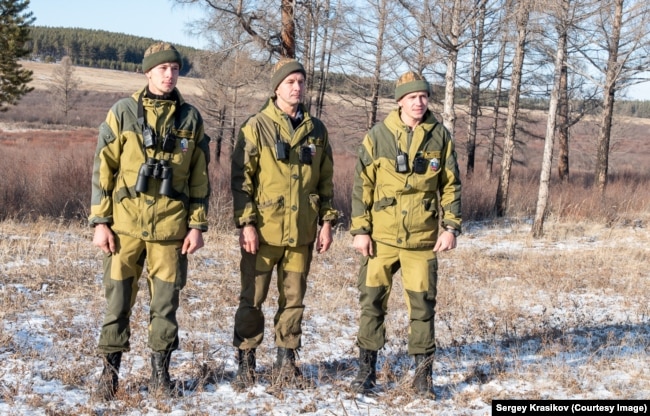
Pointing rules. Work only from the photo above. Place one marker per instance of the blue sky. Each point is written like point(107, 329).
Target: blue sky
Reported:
point(157, 19)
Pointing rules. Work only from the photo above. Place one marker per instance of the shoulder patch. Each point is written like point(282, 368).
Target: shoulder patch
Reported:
point(106, 135)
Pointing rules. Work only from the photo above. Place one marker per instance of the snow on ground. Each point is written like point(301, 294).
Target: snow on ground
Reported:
point(47, 369)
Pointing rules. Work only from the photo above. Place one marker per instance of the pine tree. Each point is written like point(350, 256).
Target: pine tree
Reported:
point(14, 33)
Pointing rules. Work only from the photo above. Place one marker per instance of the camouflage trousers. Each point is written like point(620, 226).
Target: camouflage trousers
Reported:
point(292, 267)
point(419, 270)
point(166, 276)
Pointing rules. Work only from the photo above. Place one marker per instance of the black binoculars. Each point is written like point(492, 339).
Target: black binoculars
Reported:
point(157, 169)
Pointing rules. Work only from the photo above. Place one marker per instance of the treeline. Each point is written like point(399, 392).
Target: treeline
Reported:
point(109, 50)
point(96, 48)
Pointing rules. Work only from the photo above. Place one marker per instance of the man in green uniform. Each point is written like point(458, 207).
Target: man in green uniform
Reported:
point(149, 201)
point(406, 183)
point(282, 190)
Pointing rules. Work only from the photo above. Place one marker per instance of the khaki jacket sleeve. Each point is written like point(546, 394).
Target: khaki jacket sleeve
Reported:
point(243, 166)
point(363, 189)
point(326, 188)
point(450, 188)
point(199, 183)
point(105, 164)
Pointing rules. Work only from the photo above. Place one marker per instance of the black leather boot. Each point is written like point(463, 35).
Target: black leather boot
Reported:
point(285, 370)
point(422, 381)
point(366, 378)
point(245, 376)
point(160, 382)
point(108, 381)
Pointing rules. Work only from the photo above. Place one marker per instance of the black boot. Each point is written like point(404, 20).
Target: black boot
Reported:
point(366, 378)
point(160, 382)
point(108, 381)
point(422, 381)
point(285, 370)
point(245, 376)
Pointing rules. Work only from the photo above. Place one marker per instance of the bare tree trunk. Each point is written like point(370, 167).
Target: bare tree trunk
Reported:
point(448, 112)
point(288, 29)
point(64, 86)
point(602, 158)
point(497, 105)
point(563, 124)
point(475, 84)
point(376, 81)
point(522, 16)
point(233, 120)
point(219, 141)
point(308, 55)
point(547, 158)
point(325, 54)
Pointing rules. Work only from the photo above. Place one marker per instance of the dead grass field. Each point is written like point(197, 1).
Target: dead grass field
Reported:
point(104, 80)
point(566, 316)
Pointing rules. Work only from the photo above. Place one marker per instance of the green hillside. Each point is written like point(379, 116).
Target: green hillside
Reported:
point(96, 48)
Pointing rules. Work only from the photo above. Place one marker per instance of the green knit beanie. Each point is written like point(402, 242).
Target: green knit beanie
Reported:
point(160, 53)
point(410, 82)
point(282, 69)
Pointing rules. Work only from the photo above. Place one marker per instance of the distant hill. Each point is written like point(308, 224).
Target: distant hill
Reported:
point(96, 48)
point(102, 80)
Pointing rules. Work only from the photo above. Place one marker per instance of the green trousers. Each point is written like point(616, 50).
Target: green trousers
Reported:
point(419, 277)
point(166, 276)
point(292, 267)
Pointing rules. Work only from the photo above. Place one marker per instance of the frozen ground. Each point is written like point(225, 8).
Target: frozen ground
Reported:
point(595, 345)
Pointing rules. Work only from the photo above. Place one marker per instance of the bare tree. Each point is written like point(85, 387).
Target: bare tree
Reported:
point(271, 30)
point(327, 45)
point(413, 37)
point(474, 87)
point(224, 76)
point(563, 122)
point(522, 14)
point(497, 94)
point(623, 32)
point(64, 86)
point(319, 30)
point(561, 18)
point(288, 31)
point(366, 64)
point(448, 27)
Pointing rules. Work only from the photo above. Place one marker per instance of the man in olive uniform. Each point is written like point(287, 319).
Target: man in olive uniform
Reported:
point(149, 201)
point(282, 187)
point(406, 183)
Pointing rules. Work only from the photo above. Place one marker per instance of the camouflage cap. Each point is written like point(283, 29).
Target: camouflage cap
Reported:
point(410, 82)
point(159, 53)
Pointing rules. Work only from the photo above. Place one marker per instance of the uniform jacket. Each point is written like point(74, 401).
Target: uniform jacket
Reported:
point(402, 209)
point(285, 199)
point(120, 154)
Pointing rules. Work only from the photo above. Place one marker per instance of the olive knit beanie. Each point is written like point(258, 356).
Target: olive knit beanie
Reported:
point(410, 82)
point(282, 69)
point(160, 53)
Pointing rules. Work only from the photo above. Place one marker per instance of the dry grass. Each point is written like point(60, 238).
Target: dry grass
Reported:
point(565, 316)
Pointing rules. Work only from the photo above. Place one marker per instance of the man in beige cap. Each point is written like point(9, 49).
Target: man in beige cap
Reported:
point(406, 184)
point(282, 191)
point(149, 201)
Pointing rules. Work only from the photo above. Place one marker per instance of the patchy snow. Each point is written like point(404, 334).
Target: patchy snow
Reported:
point(579, 345)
